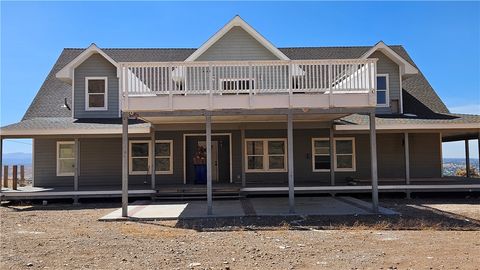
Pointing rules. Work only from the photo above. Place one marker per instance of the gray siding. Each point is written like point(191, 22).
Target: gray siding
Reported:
point(100, 159)
point(425, 155)
point(95, 66)
point(387, 66)
point(237, 44)
point(45, 162)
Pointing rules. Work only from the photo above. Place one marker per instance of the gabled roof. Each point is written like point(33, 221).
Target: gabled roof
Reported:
point(405, 66)
point(66, 73)
point(237, 21)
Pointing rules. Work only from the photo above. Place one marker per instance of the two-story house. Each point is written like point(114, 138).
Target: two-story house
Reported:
point(238, 112)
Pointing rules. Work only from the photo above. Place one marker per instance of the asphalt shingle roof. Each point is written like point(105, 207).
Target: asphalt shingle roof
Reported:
point(50, 98)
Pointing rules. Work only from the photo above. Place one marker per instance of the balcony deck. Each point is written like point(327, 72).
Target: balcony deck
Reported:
point(222, 85)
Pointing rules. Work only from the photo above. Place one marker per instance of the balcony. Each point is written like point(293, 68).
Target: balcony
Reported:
point(170, 86)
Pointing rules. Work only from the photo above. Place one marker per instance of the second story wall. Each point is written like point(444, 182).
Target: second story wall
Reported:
point(237, 44)
point(386, 66)
point(95, 66)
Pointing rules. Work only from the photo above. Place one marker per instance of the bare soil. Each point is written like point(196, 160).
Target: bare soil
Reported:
point(429, 234)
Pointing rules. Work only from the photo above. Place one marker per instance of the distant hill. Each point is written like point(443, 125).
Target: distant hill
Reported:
point(18, 158)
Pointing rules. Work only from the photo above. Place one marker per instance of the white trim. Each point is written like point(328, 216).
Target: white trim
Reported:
point(387, 91)
point(313, 154)
point(57, 158)
point(354, 159)
point(401, 91)
point(73, 94)
point(130, 157)
point(237, 21)
point(265, 155)
point(105, 94)
point(33, 162)
point(185, 135)
point(405, 66)
point(66, 73)
point(403, 127)
point(170, 171)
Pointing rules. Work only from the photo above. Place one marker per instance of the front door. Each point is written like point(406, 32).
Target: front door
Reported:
point(220, 158)
point(214, 158)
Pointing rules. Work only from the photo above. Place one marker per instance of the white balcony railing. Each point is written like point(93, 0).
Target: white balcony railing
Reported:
point(220, 78)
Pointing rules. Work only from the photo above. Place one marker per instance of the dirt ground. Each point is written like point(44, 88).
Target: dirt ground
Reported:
point(429, 234)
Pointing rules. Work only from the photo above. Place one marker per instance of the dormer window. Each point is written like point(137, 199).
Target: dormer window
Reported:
point(382, 90)
point(96, 93)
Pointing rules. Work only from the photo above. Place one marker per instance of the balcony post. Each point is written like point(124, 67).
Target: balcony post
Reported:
point(289, 83)
point(124, 164)
point(210, 86)
point(330, 89)
point(242, 135)
point(373, 161)
point(208, 120)
point(291, 180)
point(252, 87)
point(407, 158)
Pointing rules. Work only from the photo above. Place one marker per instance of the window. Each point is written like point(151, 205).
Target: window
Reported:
point(96, 93)
point(163, 157)
point(140, 160)
point(321, 155)
point(382, 90)
point(266, 155)
point(65, 158)
point(344, 154)
point(237, 84)
point(139, 157)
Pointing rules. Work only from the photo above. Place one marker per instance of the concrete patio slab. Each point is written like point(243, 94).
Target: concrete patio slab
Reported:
point(308, 206)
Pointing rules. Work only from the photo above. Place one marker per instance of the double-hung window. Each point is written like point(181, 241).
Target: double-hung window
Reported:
point(344, 154)
point(96, 93)
point(140, 160)
point(321, 155)
point(163, 157)
point(266, 155)
point(382, 90)
point(66, 158)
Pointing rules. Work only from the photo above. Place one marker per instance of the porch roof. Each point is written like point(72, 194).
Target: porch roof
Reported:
point(68, 126)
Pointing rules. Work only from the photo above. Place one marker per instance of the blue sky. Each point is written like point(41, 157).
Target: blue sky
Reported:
point(442, 37)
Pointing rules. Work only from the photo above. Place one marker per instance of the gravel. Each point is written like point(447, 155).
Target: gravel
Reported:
point(70, 237)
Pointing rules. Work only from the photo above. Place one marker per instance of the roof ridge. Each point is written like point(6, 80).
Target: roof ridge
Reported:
point(292, 47)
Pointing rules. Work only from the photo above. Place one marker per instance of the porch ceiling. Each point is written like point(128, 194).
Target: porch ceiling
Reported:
point(242, 118)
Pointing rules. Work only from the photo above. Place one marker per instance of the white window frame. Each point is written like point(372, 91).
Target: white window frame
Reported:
point(313, 154)
point(58, 158)
point(265, 155)
point(354, 160)
point(87, 95)
point(354, 163)
point(387, 91)
point(130, 157)
point(170, 171)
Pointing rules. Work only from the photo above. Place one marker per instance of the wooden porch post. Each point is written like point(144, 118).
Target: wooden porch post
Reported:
point(152, 154)
point(124, 164)
point(332, 156)
point(77, 164)
point(373, 160)
point(291, 179)
point(208, 120)
point(467, 158)
point(407, 158)
point(242, 137)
